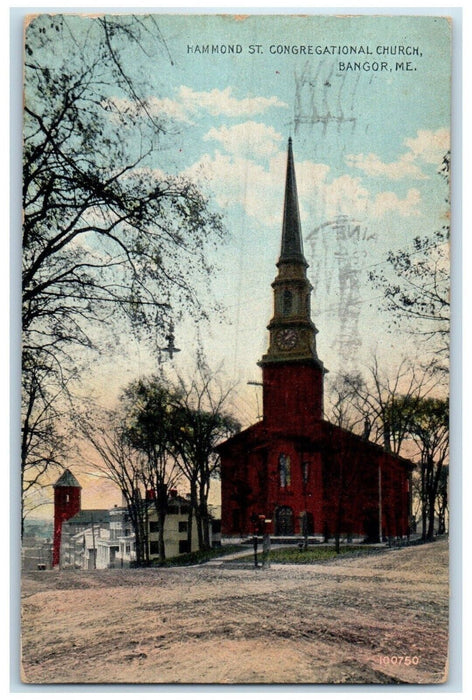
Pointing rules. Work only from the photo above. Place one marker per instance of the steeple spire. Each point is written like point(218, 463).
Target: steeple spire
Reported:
point(292, 243)
point(292, 332)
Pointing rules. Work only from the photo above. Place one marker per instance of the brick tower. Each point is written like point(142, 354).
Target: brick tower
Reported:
point(66, 504)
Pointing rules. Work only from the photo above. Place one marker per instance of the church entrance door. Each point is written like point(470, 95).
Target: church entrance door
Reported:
point(284, 521)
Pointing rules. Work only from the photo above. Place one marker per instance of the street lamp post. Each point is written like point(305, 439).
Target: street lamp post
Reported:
point(265, 543)
point(170, 348)
point(255, 520)
point(380, 504)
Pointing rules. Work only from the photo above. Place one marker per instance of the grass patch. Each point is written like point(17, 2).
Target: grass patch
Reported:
point(312, 555)
point(199, 557)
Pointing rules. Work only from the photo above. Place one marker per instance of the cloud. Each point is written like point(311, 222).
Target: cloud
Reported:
point(343, 195)
point(188, 104)
point(389, 202)
point(427, 147)
point(371, 164)
point(234, 179)
point(247, 139)
point(348, 196)
point(222, 102)
point(430, 146)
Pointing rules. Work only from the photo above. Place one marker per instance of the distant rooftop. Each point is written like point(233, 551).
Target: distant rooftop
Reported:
point(87, 517)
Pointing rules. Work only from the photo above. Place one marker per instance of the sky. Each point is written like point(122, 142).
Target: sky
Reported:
point(366, 100)
point(367, 145)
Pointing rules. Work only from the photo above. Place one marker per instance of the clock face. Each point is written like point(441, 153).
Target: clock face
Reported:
point(286, 338)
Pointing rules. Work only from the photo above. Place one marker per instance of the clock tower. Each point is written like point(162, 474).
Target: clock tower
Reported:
point(292, 373)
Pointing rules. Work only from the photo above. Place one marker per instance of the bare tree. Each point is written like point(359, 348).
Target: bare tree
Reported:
point(200, 422)
point(44, 438)
point(110, 241)
point(405, 413)
point(119, 462)
point(380, 407)
point(416, 285)
point(147, 406)
point(429, 428)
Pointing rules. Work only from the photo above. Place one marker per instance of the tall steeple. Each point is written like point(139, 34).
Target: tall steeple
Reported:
point(292, 373)
point(292, 242)
point(292, 333)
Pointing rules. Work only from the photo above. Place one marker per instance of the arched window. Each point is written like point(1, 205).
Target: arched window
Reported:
point(305, 472)
point(284, 470)
point(287, 302)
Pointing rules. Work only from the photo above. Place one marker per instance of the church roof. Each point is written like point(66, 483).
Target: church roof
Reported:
point(292, 242)
point(254, 432)
point(67, 479)
point(324, 436)
point(336, 434)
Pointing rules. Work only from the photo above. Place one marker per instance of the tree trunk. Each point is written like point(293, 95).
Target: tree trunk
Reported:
point(337, 540)
point(162, 547)
point(424, 504)
point(430, 532)
point(135, 512)
point(198, 518)
point(204, 517)
point(192, 510)
point(432, 496)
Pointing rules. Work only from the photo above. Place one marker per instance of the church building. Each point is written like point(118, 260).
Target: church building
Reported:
point(293, 469)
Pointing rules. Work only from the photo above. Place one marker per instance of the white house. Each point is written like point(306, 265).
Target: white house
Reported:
point(101, 539)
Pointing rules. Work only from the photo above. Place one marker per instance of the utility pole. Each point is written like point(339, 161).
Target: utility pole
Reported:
point(257, 397)
point(380, 503)
point(93, 546)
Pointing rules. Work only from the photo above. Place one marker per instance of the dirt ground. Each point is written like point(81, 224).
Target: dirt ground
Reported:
point(376, 619)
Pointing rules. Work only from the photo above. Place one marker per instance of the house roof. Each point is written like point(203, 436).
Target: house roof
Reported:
point(87, 517)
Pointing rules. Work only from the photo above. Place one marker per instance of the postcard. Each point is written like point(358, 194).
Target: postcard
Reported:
point(235, 357)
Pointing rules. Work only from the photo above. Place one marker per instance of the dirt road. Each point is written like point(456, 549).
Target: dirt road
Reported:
point(376, 619)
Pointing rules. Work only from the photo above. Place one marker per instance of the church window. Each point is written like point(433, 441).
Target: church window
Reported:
point(305, 472)
point(284, 470)
point(287, 302)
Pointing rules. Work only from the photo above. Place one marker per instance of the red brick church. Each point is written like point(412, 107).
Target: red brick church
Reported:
point(293, 468)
